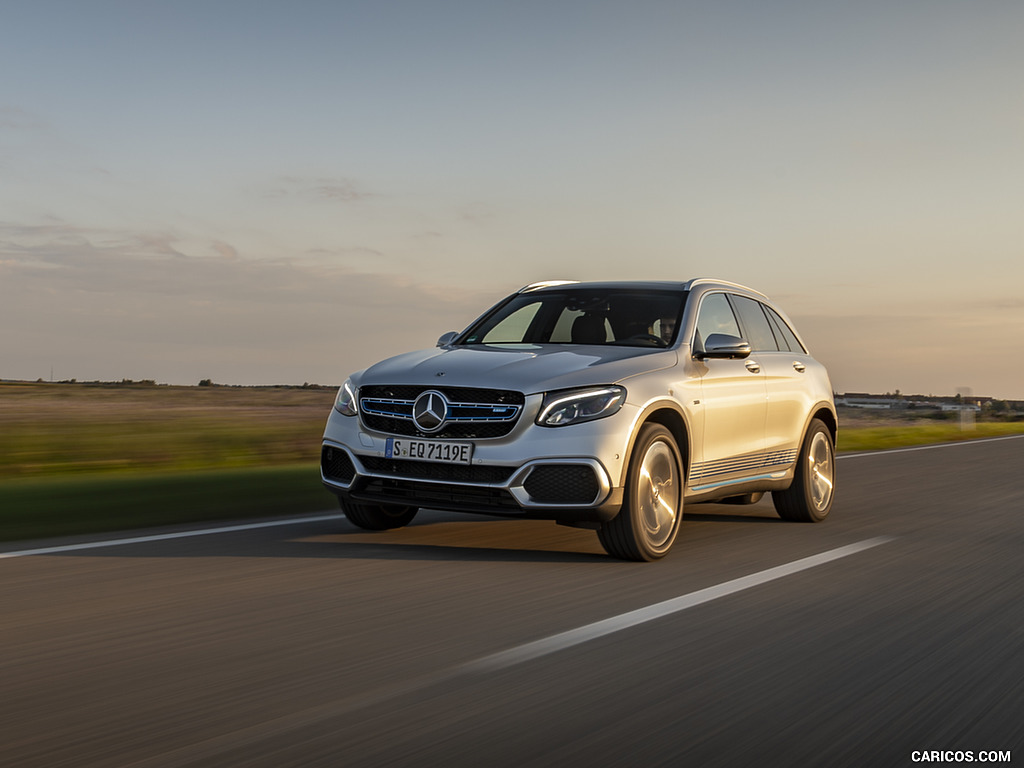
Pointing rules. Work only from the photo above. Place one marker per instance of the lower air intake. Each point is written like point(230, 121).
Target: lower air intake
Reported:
point(562, 484)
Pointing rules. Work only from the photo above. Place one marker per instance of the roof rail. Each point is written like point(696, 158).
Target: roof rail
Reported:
point(545, 284)
point(707, 280)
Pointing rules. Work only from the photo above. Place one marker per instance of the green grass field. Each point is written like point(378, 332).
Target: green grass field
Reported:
point(81, 458)
point(854, 439)
point(62, 429)
point(41, 507)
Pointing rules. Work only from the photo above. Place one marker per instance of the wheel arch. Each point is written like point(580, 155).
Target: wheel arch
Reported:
point(670, 416)
point(827, 415)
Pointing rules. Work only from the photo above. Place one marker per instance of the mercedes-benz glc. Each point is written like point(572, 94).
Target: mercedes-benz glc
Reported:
point(598, 405)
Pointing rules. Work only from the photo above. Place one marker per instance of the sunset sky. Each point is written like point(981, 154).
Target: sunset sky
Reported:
point(284, 192)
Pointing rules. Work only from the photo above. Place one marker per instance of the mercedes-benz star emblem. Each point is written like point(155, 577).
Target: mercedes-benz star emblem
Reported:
point(429, 411)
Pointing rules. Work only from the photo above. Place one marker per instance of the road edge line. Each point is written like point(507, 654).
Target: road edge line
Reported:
point(61, 548)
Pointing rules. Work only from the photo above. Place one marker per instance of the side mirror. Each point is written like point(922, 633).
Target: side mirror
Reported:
point(447, 338)
point(722, 346)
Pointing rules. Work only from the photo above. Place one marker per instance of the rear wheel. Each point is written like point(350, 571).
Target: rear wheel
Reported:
point(377, 517)
point(652, 508)
point(809, 498)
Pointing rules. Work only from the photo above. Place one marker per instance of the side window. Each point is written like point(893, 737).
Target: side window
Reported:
point(786, 331)
point(715, 316)
point(512, 330)
point(780, 337)
point(759, 333)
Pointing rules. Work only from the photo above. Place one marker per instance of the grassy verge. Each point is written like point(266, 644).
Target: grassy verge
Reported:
point(882, 438)
point(88, 458)
point(42, 507)
point(81, 429)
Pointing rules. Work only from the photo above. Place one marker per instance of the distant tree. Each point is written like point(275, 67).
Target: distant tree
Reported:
point(206, 383)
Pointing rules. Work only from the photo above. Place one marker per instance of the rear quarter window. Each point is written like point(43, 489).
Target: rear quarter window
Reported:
point(787, 339)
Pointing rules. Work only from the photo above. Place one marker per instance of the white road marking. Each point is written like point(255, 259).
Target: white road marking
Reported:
point(564, 640)
point(306, 718)
point(932, 447)
point(166, 536)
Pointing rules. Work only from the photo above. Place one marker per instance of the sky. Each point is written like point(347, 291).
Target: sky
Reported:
point(287, 192)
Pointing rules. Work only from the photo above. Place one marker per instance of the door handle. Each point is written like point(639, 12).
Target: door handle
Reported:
point(752, 366)
point(800, 367)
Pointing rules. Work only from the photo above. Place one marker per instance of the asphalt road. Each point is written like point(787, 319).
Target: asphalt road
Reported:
point(457, 641)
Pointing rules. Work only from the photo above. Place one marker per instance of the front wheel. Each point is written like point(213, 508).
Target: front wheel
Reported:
point(377, 517)
point(652, 508)
point(809, 498)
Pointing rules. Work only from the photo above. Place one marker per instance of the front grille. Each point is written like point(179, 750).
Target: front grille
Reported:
point(429, 470)
point(477, 395)
point(473, 412)
point(336, 465)
point(562, 484)
point(440, 496)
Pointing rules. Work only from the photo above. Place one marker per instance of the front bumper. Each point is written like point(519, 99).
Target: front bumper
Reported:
point(569, 474)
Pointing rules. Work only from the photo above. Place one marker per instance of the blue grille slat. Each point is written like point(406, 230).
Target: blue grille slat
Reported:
point(742, 464)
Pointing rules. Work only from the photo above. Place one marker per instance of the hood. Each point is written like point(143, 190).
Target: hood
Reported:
point(527, 368)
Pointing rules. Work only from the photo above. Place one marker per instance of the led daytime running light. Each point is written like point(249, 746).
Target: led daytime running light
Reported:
point(571, 407)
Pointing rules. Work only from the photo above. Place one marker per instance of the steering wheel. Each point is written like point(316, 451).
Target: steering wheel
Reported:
point(658, 341)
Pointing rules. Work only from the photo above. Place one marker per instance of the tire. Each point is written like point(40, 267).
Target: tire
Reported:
point(809, 498)
point(377, 517)
point(652, 508)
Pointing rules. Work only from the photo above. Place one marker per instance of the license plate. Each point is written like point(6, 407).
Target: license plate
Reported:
point(429, 450)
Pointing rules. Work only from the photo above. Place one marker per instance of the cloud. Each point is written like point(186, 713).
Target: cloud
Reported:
point(225, 250)
point(112, 261)
point(476, 213)
point(355, 251)
point(17, 119)
point(330, 189)
point(1008, 303)
point(162, 244)
point(99, 303)
point(113, 304)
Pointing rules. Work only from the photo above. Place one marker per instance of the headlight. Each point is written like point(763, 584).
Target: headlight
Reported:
point(574, 406)
point(345, 402)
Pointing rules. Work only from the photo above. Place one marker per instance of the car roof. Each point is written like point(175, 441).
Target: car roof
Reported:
point(642, 285)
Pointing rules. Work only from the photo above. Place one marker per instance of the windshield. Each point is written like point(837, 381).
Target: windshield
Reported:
point(578, 316)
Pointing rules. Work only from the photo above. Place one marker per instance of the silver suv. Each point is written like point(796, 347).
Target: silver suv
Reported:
point(597, 405)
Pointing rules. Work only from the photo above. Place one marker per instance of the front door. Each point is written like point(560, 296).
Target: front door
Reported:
point(733, 403)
